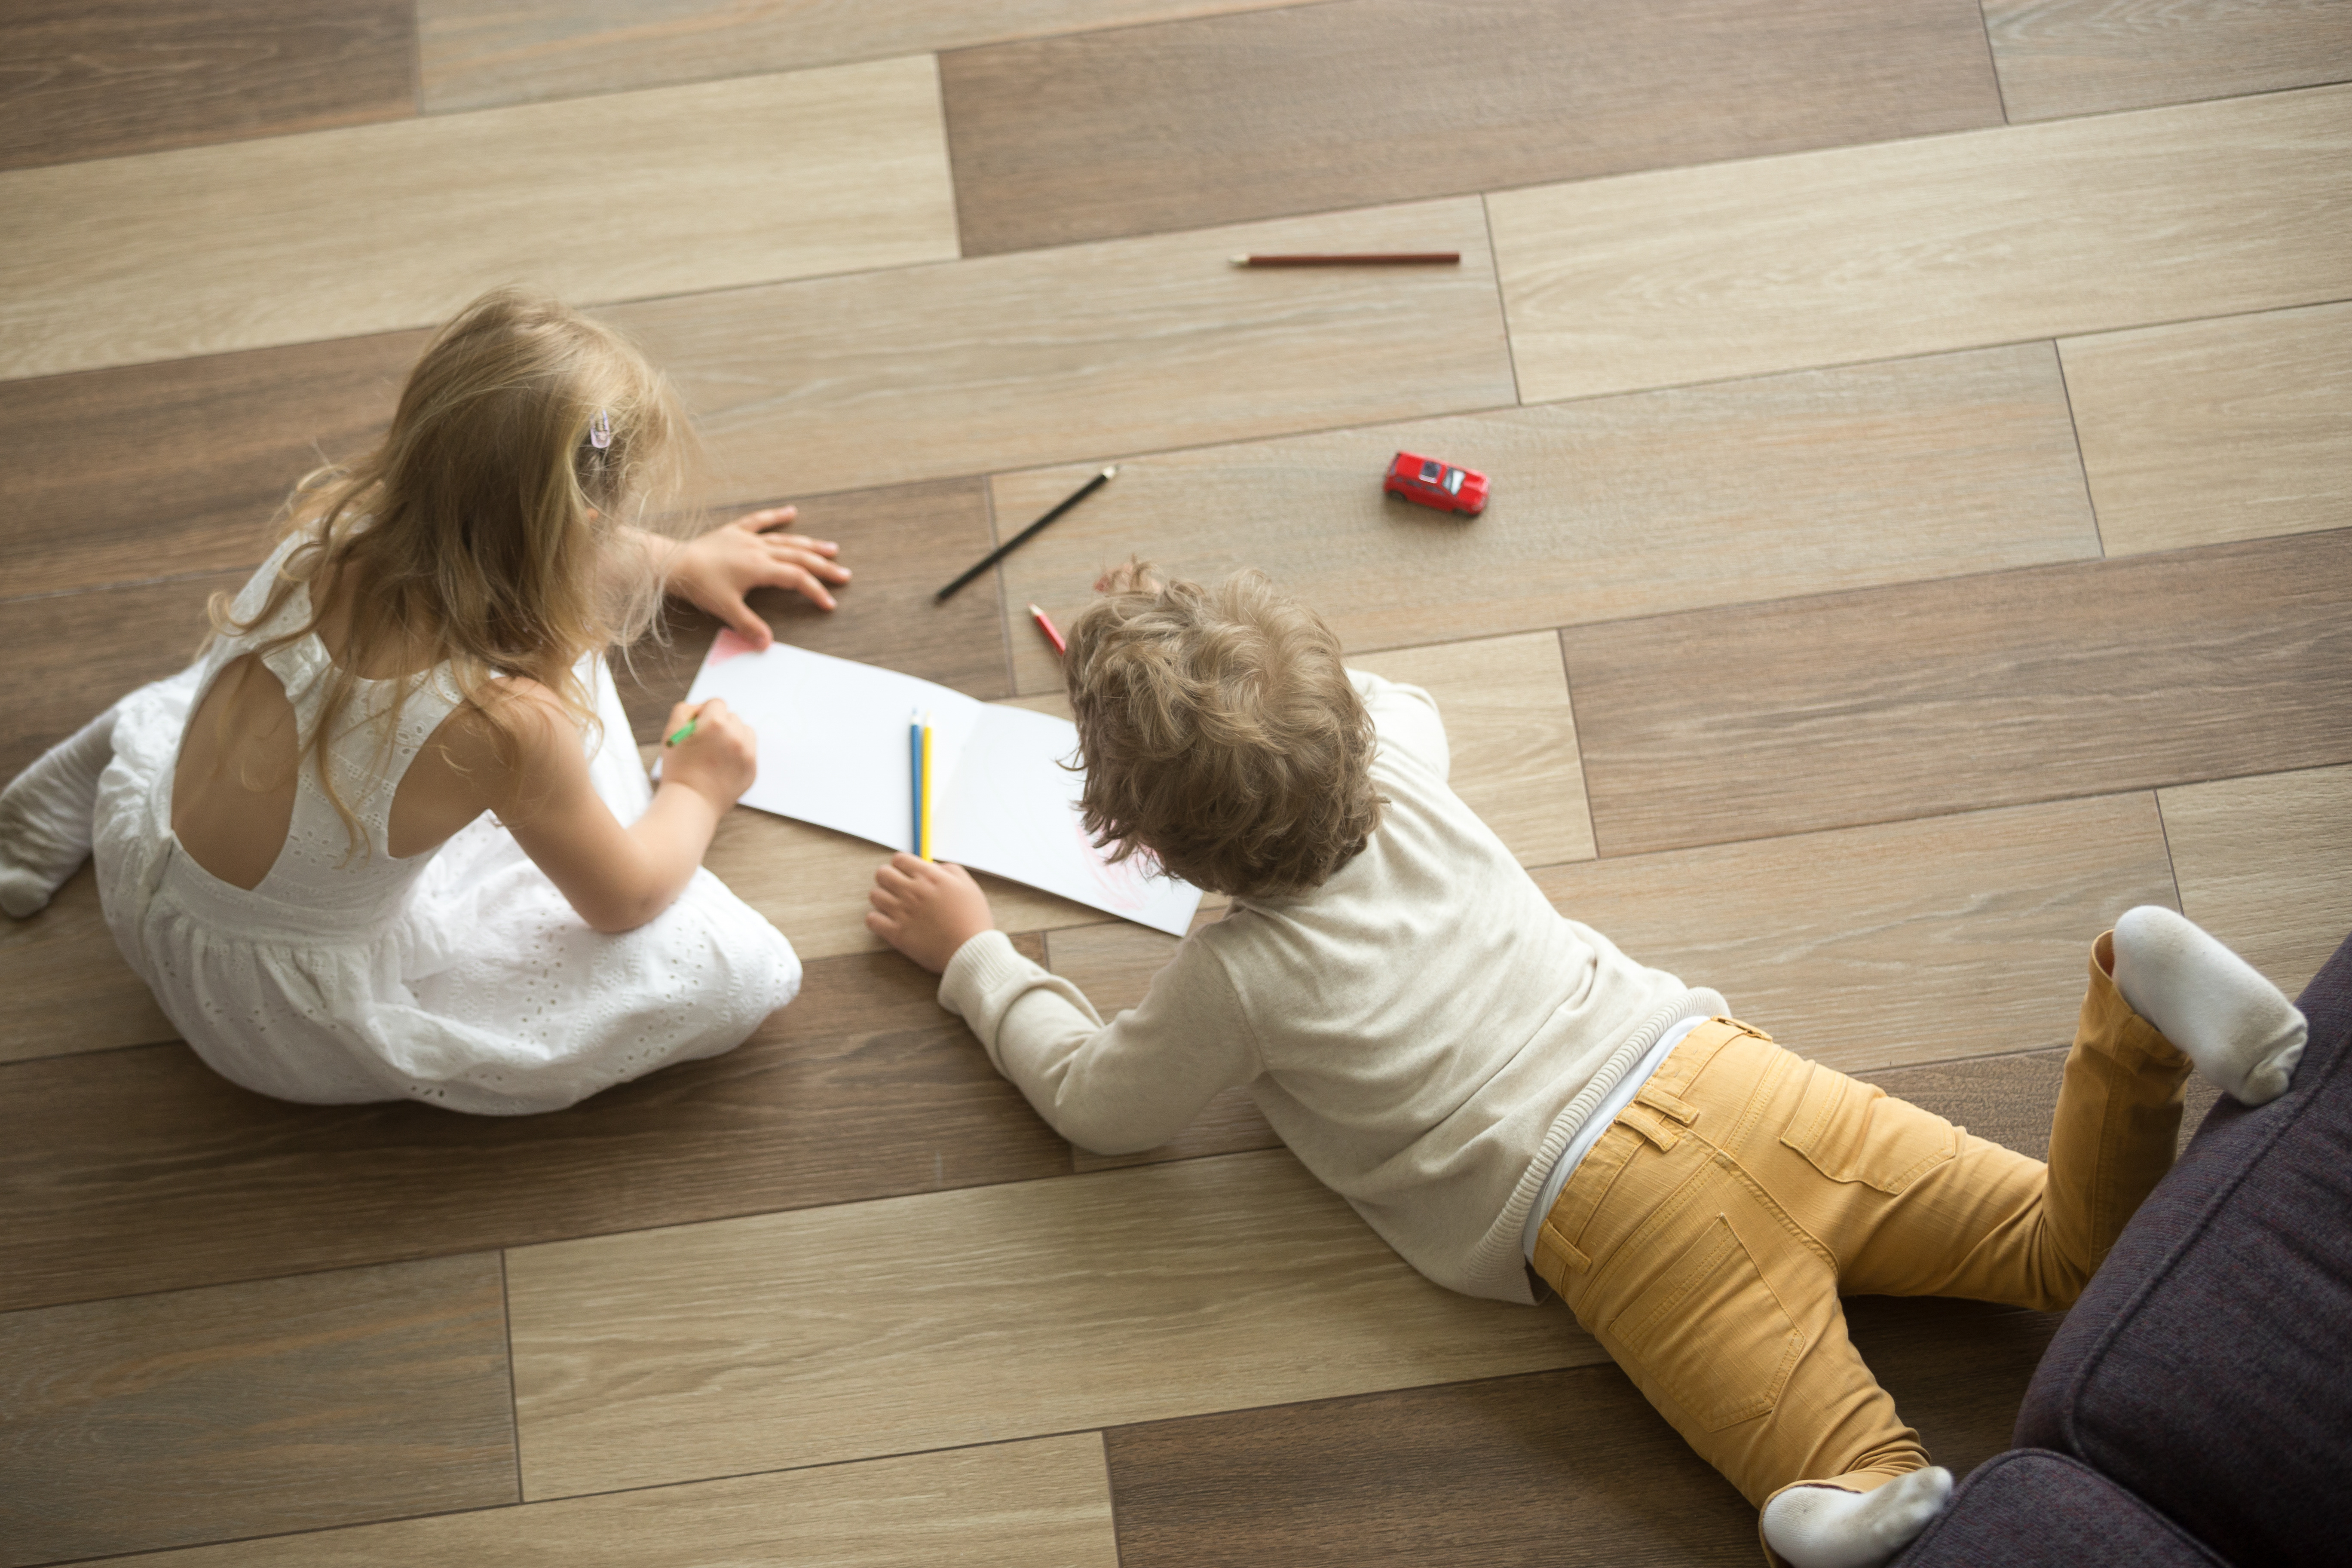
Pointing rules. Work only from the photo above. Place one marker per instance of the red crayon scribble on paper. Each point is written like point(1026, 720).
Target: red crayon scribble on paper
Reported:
point(1127, 886)
point(729, 644)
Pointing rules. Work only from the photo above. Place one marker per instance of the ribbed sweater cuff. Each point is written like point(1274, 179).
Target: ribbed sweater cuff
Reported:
point(983, 965)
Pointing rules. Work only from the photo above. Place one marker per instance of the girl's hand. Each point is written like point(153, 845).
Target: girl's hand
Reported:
point(715, 571)
point(719, 761)
point(927, 910)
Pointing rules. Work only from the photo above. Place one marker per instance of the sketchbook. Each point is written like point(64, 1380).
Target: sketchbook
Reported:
point(832, 751)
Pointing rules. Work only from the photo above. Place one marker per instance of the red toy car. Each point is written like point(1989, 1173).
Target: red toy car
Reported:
point(1432, 483)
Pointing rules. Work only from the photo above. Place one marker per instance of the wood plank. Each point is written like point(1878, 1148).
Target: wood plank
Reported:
point(1569, 1465)
point(973, 1317)
point(899, 544)
point(1512, 736)
point(1916, 700)
point(248, 1409)
point(2265, 864)
point(164, 469)
point(139, 1170)
point(377, 228)
point(1231, 1123)
point(1958, 1370)
point(64, 986)
point(1007, 1506)
point(1871, 947)
point(1618, 507)
point(89, 82)
point(2207, 431)
point(473, 55)
point(2008, 1099)
point(1106, 133)
point(2058, 57)
point(1917, 247)
point(1093, 351)
point(71, 656)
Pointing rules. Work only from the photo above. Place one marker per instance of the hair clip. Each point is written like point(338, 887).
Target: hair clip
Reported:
point(600, 430)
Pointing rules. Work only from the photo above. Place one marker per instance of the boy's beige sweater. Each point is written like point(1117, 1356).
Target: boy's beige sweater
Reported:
point(1424, 1030)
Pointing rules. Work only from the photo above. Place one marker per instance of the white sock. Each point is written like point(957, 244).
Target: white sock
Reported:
point(1825, 1527)
point(2234, 1025)
point(45, 817)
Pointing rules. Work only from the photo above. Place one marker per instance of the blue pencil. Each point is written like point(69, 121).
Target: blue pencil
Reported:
point(915, 787)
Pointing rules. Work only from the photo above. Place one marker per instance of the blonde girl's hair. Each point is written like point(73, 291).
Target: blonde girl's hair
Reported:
point(1220, 733)
point(481, 535)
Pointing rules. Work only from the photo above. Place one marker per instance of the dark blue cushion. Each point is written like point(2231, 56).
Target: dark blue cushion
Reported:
point(2033, 1509)
point(2208, 1368)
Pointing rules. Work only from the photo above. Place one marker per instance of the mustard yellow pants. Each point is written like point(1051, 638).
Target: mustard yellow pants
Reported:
point(1708, 1235)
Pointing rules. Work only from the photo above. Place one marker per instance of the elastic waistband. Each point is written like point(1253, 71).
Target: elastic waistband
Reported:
point(1658, 1114)
point(1611, 1104)
point(1689, 1058)
point(257, 917)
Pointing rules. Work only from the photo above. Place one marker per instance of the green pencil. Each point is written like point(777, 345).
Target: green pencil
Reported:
point(683, 732)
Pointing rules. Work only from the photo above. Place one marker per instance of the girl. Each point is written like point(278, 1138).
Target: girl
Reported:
point(388, 838)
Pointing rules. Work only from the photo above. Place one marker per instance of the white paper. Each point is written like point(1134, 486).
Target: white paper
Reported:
point(833, 751)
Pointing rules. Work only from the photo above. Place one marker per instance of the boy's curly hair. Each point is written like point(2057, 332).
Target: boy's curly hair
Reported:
point(1220, 733)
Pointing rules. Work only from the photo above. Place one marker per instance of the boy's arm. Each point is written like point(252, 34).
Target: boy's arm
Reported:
point(1406, 718)
point(1115, 1088)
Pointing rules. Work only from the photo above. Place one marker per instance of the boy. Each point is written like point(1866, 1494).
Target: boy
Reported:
point(1499, 1091)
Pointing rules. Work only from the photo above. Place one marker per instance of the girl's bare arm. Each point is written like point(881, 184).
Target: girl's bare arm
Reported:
point(617, 878)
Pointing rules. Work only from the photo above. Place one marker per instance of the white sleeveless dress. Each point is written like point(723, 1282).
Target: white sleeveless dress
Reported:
point(460, 976)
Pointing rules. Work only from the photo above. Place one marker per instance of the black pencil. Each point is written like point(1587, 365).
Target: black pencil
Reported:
point(1010, 545)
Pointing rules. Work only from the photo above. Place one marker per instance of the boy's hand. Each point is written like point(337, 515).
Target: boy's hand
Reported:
point(716, 570)
point(719, 761)
point(927, 910)
point(1130, 576)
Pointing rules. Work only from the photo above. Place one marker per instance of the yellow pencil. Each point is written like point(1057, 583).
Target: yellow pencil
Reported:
point(925, 849)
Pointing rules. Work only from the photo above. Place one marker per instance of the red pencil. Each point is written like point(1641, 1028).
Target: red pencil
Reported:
point(1045, 624)
point(1398, 258)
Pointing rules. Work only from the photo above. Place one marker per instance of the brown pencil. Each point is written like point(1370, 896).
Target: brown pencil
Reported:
point(1400, 258)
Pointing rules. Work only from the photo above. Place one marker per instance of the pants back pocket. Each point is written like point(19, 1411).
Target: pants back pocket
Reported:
point(1710, 1334)
point(1854, 1133)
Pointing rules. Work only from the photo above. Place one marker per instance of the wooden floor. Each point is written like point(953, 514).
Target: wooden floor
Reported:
point(1921, 435)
